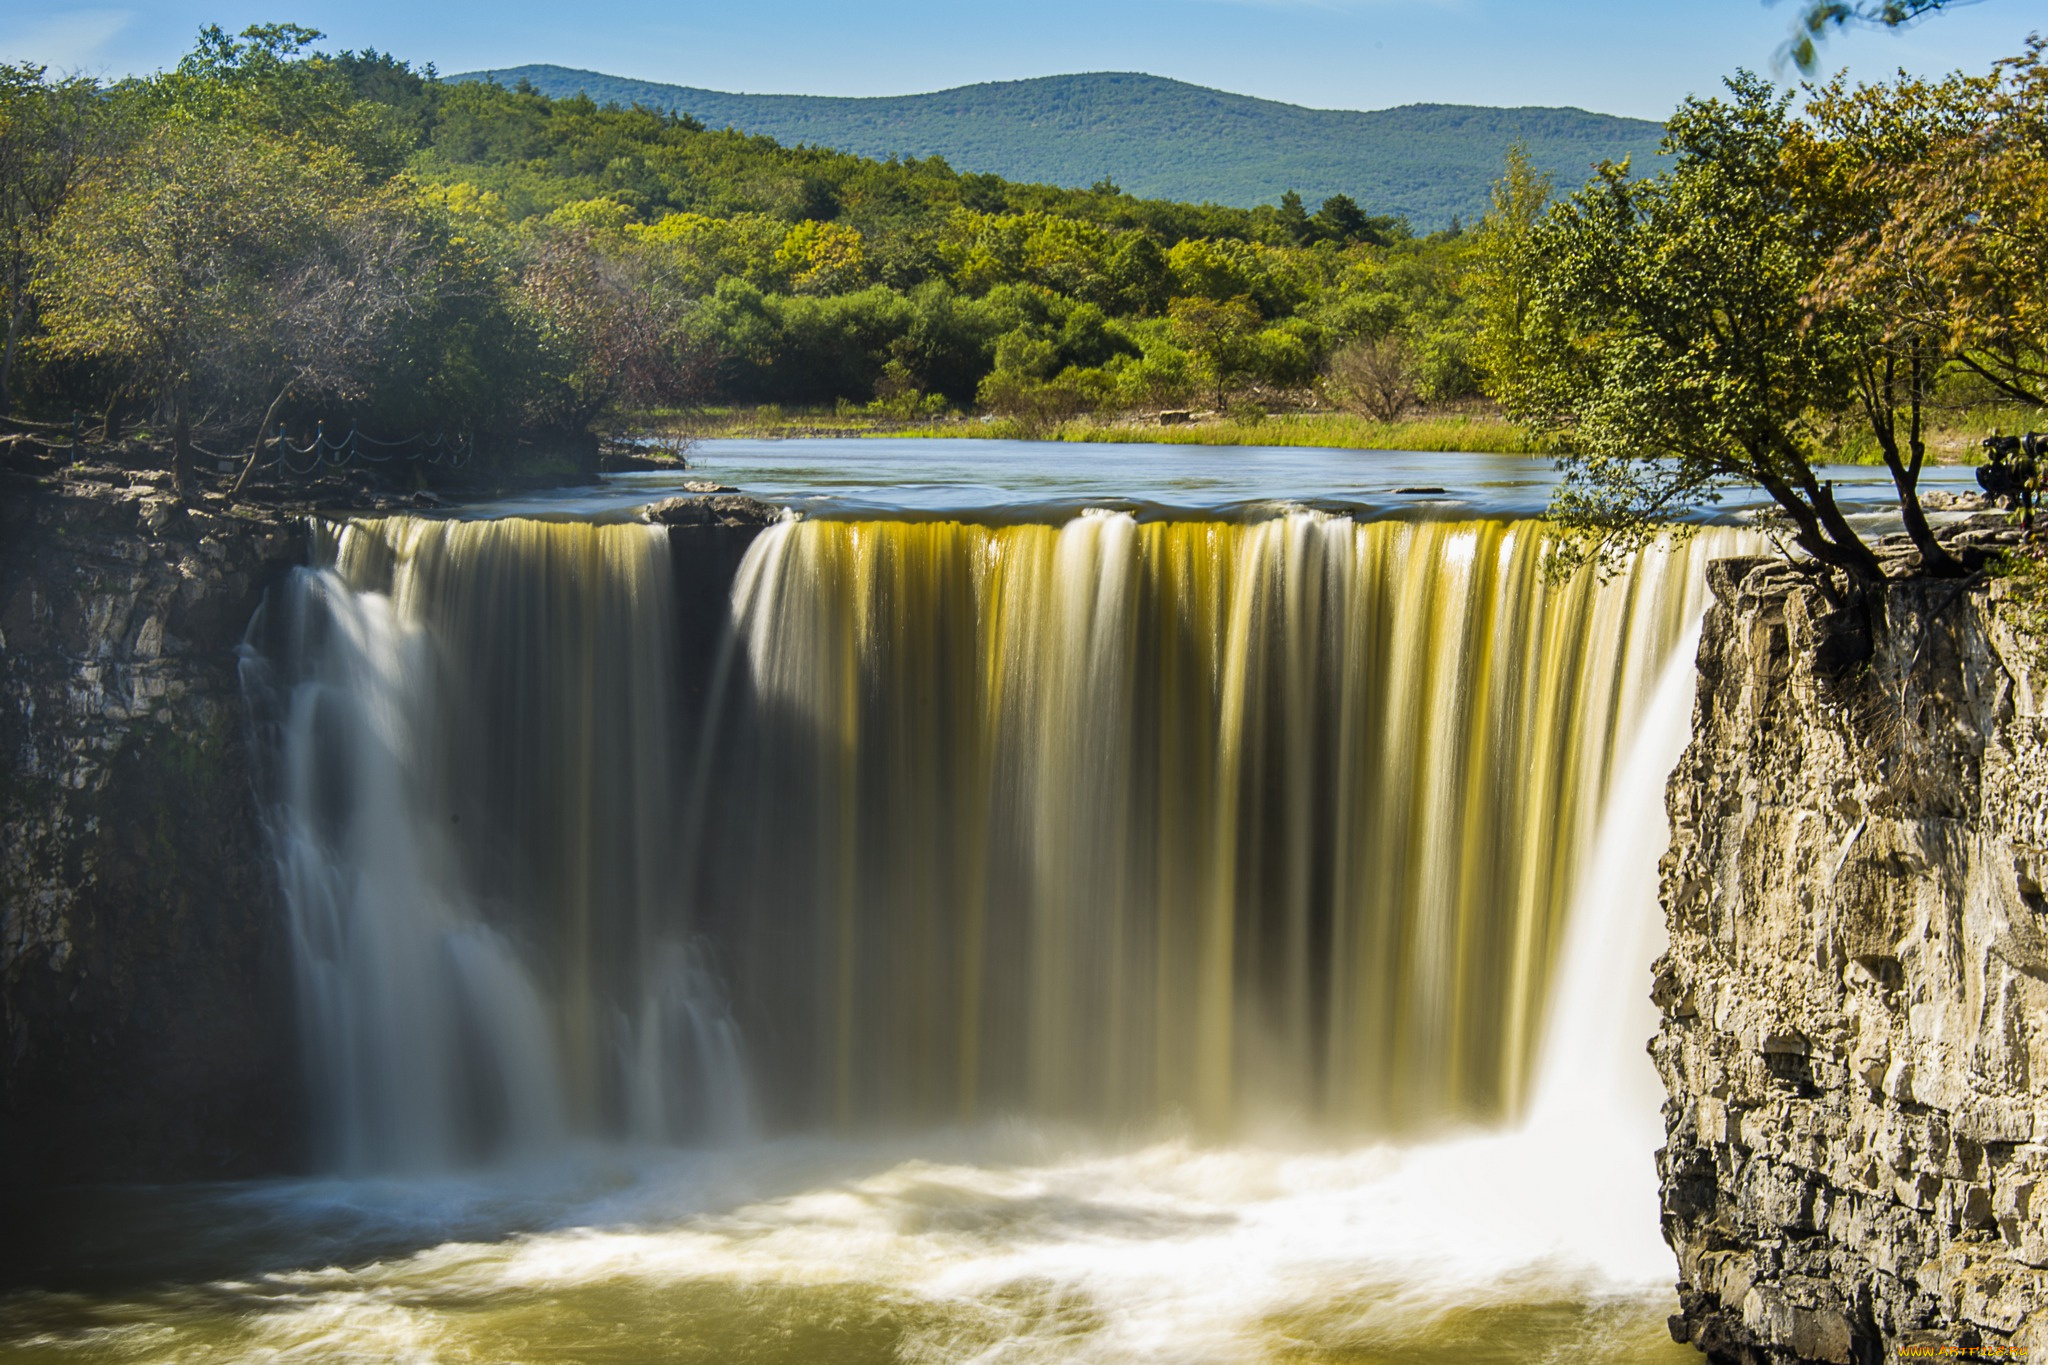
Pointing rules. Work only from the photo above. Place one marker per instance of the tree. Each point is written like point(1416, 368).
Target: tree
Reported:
point(218, 267)
point(1294, 224)
point(1341, 220)
point(1376, 377)
point(1139, 278)
point(334, 306)
point(1955, 246)
point(267, 81)
point(1504, 267)
point(1219, 335)
point(823, 258)
point(51, 134)
point(1858, 159)
point(1820, 17)
point(1671, 344)
point(615, 334)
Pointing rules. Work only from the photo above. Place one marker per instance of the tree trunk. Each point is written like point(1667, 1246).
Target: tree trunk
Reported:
point(1808, 534)
point(16, 308)
point(1839, 544)
point(1935, 559)
point(1934, 556)
point(181, 451)
point(262, 430)
point(1857, 557)
point(110, 420)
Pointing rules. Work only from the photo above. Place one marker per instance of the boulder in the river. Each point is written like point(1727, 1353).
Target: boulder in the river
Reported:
point(714, 509)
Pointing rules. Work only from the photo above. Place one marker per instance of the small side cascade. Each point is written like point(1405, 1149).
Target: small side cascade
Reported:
point(475, 787)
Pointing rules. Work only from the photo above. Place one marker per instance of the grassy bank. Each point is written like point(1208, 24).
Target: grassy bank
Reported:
point(1339, 431)
point(1954, 435)
point(1482, 432)
point(1952, 438)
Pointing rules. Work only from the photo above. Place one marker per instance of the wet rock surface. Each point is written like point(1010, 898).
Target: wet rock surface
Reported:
point(712, 505)
point(1855, 1000)
point(145, 1014)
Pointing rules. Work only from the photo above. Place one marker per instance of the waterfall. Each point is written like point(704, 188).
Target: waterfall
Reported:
point(477, 782)
point(1118, 818)
point(1116, 821)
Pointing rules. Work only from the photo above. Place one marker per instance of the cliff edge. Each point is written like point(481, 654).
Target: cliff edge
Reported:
point(146, 1026)
point(1854, 1038)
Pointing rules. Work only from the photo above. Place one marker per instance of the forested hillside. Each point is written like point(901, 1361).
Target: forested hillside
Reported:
point(1161, 138)
point(270, 236)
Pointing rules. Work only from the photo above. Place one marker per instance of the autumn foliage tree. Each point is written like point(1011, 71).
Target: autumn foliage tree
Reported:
point(1955, 248)
point(51, 136)
point(213, 268)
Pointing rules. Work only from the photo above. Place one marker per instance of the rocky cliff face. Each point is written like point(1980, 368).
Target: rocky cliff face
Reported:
point(145, 1012)
point(1855, 1000)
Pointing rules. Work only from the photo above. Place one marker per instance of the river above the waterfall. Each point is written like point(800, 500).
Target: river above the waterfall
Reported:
point(882, 476)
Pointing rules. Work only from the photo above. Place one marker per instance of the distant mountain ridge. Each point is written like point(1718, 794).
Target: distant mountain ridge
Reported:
point(1160, 138)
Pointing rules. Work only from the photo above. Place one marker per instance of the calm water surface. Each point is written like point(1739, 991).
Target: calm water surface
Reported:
point(1032, 479)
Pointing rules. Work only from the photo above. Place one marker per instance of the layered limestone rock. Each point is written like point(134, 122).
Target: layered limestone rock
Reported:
point(145, 1011)
point(1855, 1000)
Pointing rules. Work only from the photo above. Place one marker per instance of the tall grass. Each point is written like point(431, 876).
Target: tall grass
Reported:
point(1952, 438)
point(1953, 434)
point(1479, 434)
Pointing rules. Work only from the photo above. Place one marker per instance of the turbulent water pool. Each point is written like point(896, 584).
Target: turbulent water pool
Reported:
point(1102, 904)
point(1009, 1244)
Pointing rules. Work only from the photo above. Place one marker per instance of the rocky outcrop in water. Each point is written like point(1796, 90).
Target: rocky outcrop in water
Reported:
point(145, 1018)
point(712, 505)
point(1855, 1000)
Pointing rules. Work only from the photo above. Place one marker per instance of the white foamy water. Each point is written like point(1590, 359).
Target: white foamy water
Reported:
point(1014, 1243)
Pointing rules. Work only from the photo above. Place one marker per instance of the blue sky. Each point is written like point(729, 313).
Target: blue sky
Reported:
point(1620, 56)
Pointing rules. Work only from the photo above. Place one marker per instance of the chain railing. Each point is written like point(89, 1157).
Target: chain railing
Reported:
point(323, 452)
point(72, 433)
point(320, 453)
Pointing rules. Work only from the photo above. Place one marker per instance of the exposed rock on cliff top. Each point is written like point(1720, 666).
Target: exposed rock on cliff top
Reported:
point(1855, 1001)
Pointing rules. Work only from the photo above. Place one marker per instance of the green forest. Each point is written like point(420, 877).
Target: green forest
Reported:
point(1160, 138)
point(268, 236)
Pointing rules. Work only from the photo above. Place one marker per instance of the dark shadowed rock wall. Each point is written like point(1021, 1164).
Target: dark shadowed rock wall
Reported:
point(145, 1009)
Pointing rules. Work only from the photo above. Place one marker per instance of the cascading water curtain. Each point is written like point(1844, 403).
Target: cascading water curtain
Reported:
point(476, 778)
point(1112, 821)
point(1120, 819)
